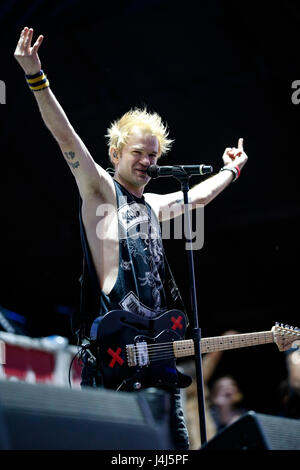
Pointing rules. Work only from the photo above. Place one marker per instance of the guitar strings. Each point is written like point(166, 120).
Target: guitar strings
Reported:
point(165, 350)
point(161, 347)
point(158, 352)
point(158, 348)
point(155, 347)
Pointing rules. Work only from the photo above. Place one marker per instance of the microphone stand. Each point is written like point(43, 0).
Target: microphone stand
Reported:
point(183, 177)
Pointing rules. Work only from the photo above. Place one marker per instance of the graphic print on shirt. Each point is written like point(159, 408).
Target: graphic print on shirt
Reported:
point(131, 303)
point(150, 280)
point(126, 265)
point(141, 236)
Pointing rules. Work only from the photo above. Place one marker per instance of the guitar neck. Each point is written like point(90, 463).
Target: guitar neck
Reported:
point(222, 343)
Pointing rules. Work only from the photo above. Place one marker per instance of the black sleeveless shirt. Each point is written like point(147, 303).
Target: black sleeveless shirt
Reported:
point(144, 284)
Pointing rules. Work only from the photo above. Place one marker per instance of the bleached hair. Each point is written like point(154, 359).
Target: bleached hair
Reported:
point(119, 130)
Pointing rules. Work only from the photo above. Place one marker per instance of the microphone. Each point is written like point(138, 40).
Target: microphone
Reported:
point(155, 171)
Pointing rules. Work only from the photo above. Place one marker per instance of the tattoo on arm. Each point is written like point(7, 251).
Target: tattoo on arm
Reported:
point(74, 165)
point(180, 201)
point(70, 156)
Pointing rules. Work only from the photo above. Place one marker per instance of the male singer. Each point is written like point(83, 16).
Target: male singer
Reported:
point(126, 272)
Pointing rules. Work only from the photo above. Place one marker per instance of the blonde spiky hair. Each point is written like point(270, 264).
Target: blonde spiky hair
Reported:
point(119, 131)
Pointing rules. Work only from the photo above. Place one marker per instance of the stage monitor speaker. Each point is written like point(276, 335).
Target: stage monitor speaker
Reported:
point(257, 431)
point(47, 417)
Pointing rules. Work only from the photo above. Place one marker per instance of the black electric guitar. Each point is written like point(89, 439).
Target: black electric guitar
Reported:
point(135, 352)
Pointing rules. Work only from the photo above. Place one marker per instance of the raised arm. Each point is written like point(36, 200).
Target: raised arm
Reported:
point(171, 205)
point(85, 170)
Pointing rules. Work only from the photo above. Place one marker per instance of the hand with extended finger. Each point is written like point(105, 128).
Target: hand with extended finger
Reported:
point(235, 156)
point(27, 55)
point(234, 159)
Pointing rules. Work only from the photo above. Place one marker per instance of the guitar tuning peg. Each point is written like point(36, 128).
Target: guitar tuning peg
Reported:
point(277, 323)
point(287, 327)
point(282, 326)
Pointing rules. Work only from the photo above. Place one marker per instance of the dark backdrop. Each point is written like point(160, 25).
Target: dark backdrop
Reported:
point(215, 71)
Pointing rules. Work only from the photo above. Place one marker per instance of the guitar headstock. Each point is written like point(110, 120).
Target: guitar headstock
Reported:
point(285, 336)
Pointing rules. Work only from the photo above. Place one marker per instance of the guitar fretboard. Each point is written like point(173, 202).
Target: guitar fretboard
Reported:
point(221, 343)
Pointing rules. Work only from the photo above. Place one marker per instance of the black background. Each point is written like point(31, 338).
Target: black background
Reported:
point(215, 71)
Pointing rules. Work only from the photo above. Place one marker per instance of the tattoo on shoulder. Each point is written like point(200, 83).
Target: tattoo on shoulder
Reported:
point(70, 156)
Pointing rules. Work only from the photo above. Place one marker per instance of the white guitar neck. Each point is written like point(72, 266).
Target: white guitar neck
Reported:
point(221, 343)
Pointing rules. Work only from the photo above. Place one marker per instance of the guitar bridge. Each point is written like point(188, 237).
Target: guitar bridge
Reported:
point(131, 355)
point(137, 354)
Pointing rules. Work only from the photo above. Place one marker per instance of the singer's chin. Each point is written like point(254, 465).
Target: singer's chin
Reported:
point(142, 175)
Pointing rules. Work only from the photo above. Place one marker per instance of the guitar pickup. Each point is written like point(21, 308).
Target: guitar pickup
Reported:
point(137, 354)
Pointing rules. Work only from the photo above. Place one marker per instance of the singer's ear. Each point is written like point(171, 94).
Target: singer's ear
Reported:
point(113, 155)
